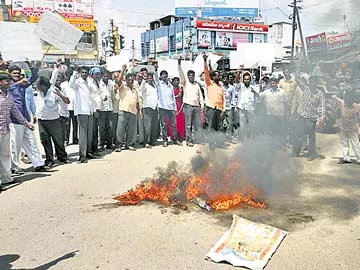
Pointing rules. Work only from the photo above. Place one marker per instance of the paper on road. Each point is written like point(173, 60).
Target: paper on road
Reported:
point(19, 42)
point(247, 244)
point(58, 32)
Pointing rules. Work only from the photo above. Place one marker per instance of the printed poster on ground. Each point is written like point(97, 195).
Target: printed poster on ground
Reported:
point(247, 244)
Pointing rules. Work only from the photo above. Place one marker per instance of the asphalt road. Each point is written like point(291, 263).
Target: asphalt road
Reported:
point(67, 219)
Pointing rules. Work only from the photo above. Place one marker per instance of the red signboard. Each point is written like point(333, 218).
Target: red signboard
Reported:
point(232, 26)
point(339, 41)
point(316, 43)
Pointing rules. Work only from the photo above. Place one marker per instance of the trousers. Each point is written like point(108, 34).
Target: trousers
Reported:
point(50, 132)
point(171, 115)
point(126, 128)
point(192, 123)
point(5, 158)
point(347, 139)
point(150, 122)
point(22, 137)
point(85, 134)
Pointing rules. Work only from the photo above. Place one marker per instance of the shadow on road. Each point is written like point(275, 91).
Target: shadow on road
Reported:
point(7, 260)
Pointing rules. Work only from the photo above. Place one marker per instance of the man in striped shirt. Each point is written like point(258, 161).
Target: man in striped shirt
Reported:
point(7, 108)
point(311, 110)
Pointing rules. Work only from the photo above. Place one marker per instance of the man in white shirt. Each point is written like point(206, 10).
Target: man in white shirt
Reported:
point(275, 103)
point(72, 118)
point(193, 105)
point(245, 107)
point(84, 109)
point(48, 100)
point(106, 87)
point(94, 78)
point(167, 105)
point(150, 102)
point(63, 110)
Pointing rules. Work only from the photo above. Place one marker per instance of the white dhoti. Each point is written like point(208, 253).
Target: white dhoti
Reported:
point(23, 137)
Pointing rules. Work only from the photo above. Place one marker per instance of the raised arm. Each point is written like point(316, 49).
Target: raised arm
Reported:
point(156, 75)
point(238, 74)
point(181, 73)
point(206, 71)
point(64, 98)
point(121, 76)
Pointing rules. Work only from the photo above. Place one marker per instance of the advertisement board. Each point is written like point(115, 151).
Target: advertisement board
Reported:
point(224, 40)
point(339, 41)
point(217, 8)
point(232, 26)
point(316, 43)
point(80, 13)
point(162, 44)
point(239, 38)
point(204, 39)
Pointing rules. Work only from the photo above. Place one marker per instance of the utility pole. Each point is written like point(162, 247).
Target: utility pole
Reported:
point(302, 39)
point(294, 6)
point(133, 52)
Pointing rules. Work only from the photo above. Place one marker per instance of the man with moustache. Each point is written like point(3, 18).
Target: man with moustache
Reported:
point(84, 109)
point(245, 107)
point(150, 100)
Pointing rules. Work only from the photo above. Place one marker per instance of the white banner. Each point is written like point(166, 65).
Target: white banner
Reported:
point(115, 63)
point(252, 55)
point(171, 66)
point(19, 42)
point(58, 32)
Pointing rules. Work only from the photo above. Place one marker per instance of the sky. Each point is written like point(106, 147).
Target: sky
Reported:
point(317, 16)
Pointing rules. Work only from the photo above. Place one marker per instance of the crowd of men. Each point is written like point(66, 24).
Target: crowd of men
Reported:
point(120, 111)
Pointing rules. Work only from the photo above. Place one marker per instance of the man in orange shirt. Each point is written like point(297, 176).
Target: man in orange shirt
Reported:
point(215, 105)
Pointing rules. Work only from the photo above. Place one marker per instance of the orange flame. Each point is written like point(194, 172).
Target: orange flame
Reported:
point(231, 192)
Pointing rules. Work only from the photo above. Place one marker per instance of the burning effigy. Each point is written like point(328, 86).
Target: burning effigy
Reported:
point(211, 184)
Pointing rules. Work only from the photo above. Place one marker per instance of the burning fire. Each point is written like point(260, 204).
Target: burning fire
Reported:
point(220, 189)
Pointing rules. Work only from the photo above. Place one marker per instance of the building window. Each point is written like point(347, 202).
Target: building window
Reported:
point(87, 38)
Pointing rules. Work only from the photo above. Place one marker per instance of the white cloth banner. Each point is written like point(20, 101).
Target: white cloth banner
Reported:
point(19, 42)
point(58, 32)
point(252, 55)
point(115, 63)
point(171, 66)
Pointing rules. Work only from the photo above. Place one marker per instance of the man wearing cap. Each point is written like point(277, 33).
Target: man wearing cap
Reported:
point(7, 108)
point(94, 79)
point(22, 137)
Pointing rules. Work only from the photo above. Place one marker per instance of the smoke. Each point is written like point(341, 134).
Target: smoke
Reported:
point(262, 164)
point(338, 15)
